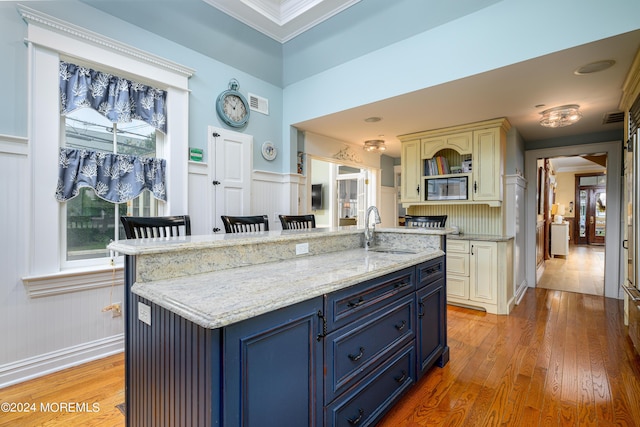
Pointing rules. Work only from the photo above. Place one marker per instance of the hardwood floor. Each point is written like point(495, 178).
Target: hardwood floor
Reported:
point(90, 393)
point(560, 358)
point(581, 271)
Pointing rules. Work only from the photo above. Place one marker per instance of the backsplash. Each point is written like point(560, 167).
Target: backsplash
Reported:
point(470, 219)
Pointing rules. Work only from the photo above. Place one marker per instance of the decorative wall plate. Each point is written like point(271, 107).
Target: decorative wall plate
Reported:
point(269, 151)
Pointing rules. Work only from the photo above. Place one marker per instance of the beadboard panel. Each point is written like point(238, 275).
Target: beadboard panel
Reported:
point(276, 194)
point(471, 219)
point(49, 333)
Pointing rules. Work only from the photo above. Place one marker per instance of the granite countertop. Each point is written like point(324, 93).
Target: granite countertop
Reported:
point(216, 299)
point(483, 237)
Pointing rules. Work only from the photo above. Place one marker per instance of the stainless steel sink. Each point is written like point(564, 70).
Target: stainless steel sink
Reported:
point(391, 251)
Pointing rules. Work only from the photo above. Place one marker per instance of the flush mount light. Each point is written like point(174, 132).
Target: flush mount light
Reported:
point(594, 67)
point(558, 117)
point(374, 145)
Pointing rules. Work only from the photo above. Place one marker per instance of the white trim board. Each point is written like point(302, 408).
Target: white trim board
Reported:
point(34, 367)
point(613, 236)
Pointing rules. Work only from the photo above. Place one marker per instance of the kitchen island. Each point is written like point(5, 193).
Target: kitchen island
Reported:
point(280, 328)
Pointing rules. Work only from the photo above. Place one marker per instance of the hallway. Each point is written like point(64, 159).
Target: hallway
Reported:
point(581, 271)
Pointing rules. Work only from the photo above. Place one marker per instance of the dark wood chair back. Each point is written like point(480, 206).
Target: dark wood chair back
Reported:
point(139, 227)
point(431, 221)
point(245, 224)
point(297, 222)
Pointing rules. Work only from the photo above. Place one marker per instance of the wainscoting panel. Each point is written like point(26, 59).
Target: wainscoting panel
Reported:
point(56, 330)
point(276, 194)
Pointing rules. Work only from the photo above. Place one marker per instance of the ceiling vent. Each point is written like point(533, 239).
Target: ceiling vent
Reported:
point(259, 104)
point(615, 117)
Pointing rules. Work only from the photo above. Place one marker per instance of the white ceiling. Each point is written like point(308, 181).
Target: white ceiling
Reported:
point(519, 92)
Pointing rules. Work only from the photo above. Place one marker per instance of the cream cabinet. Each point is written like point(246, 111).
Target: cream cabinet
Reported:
point(460, 142)
point(478, 146)
point(560, 239)
point(480, 274)
point(410, 172)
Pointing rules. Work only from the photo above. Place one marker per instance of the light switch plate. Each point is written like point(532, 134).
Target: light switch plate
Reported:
point(302, 248)
point(144, 313)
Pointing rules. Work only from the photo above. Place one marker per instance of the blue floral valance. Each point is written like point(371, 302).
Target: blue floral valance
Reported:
point(114, 177)
point(118, 99)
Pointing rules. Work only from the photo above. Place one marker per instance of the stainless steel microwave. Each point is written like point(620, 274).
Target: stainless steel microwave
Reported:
point(452, 188)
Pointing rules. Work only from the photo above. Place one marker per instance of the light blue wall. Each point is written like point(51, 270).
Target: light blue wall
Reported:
point(504, 33)
point(363, 28)
point(211, 76)
point(13, 72)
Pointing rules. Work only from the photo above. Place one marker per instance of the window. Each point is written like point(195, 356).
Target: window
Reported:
point(50, 41)
point(91, 222)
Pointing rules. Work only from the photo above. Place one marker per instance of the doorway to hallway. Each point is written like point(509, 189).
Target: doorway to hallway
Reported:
point(581, 271)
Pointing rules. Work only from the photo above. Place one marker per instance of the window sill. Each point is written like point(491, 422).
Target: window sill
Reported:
point(70, 281)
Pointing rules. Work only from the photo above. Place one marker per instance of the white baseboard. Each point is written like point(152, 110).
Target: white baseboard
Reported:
point(520, 291)
point(33, 367)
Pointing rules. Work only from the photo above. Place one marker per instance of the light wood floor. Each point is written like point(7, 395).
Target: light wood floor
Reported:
point(581, 271)
point(560, 358)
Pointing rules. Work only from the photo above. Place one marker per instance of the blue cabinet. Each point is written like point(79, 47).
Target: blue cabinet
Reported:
point(342, 359)
point(431, 325)
point(273, 368)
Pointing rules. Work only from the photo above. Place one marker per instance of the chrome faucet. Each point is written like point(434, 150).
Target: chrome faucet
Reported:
point(368, 232)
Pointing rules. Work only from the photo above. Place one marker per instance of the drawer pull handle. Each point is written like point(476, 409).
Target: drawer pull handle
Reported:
point(356, 421)
point(401, 325)
point(433, 270)
point(356, 357)
point(401, 285)
point(402, 377)
point(355, 304)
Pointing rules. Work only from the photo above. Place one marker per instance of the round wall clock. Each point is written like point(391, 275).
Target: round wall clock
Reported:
point(232, 107)
point(269, 151)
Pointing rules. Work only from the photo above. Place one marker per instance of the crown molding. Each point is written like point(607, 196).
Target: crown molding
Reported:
point(34, 17)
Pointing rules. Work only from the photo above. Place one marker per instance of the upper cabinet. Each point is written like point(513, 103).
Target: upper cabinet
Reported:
point(458, 165)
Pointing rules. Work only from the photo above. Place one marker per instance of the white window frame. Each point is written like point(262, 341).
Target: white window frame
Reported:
point(50, 40)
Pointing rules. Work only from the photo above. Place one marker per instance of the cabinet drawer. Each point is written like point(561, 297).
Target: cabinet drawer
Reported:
point(458, 263)
point(352, 303)
point(430, 271)
point(458, 246)
point(366, 404)
point(355, 350)
point(458, 286)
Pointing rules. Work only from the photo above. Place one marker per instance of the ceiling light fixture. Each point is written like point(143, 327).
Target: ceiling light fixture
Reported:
point(558, 117)
point(374, 145)
point(372, 119)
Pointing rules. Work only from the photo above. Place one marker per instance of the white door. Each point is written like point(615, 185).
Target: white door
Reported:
point(231, 158)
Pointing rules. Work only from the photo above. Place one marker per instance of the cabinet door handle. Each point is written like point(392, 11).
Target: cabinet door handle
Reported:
point(471, 249)
point(418, 189)
point(625, 244)
point(475, 186)
point(356, 421)
point(356, 357)
point(402, 377)
point(401, 325)
point(352, 304)
point(420, 310)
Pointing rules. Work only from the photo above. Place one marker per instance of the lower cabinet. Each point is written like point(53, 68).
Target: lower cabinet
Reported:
point(480, 274)
point(342, 359)
point(273, 368)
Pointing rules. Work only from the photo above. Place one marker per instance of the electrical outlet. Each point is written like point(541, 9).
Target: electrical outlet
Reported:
point(302, 248)
point(144, 313)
